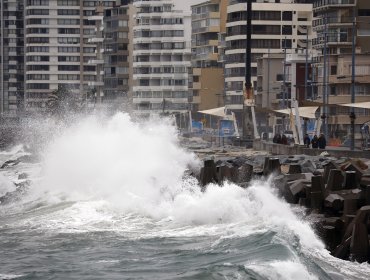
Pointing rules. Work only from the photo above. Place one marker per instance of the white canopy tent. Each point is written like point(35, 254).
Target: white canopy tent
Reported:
point(364, 105)
point(219, 112)
point(304, 112)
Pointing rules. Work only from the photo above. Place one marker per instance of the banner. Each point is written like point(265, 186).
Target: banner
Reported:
point(197, 127)
point(227, 128)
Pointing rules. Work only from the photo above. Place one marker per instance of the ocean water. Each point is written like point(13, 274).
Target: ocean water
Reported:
point(111, 200)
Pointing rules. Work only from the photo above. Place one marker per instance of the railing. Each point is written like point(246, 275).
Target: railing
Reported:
point(321, 3)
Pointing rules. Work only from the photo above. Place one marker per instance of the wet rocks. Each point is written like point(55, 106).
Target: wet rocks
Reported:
point(335, 193)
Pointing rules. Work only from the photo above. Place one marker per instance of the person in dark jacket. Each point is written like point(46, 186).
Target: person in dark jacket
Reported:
point(284, 140)
point(322, 141)
point(307, 140)
point(315, 142)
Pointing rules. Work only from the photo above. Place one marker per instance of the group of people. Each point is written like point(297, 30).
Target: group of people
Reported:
point(316, 142)
point(281, 139)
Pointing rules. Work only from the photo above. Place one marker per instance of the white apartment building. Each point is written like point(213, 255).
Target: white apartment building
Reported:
point(11, 57)
point(161, 58)
point(59, 48)
point(276, 25)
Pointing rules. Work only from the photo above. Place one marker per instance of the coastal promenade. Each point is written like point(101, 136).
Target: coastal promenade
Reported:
point(279, 149)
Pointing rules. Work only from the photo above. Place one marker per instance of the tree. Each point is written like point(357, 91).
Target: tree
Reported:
point(62, 101)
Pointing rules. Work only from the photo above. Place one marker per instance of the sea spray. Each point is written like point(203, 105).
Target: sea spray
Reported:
point(114, 192)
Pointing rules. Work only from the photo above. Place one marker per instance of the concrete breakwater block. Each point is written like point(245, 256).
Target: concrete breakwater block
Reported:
point(334, 201)
point(271, 165)
point(295, 169)
point(335, 180)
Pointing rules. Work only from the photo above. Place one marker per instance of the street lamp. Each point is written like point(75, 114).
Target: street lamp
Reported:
point(352, 114)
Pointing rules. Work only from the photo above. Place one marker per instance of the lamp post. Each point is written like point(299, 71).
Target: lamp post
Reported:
point(352, 114)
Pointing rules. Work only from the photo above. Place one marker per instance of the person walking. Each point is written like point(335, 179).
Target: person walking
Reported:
point(315, 142)
point(322, 142)
point(306, 140)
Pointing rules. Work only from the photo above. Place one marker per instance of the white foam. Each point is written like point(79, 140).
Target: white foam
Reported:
point(284, 270)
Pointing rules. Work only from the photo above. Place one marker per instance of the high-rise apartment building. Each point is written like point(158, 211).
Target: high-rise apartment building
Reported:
point(276, 26)
point(161, 58)
point(12, 57)
point(336, 22)
point(208, 23)
point(60, 49)
point(118, 22)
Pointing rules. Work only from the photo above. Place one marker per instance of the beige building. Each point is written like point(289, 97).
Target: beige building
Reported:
point(276, 25)
point(334, 27)
point(208, 24)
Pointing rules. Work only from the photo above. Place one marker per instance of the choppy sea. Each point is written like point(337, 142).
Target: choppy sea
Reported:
point(109, 200)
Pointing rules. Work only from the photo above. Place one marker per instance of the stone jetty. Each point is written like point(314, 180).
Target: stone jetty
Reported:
point(335, 192)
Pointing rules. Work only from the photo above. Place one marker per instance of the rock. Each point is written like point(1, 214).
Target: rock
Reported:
point(317, 200)
point(334, 201)
point(335, 180)
point(208, 173)
point(245, 173)
point(343, 250)
point(351, 180)
point(354, 167)
point(273, 166)
point(359, 248)
point(294, 169)
point(317, 184)
point(350, 206)
point(16, 195)
point(22, 176)
point(327, 167)
point(308, 166)
point(10, 163)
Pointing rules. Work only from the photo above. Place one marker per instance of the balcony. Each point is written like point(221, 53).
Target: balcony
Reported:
point(329, 4)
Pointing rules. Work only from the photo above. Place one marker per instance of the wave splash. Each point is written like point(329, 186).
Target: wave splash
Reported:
point(120, 176)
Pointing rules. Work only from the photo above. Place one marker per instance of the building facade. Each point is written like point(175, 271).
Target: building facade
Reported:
point(277, 27)
point(208, 23)
point(60, 48)
point(336, 22)
point(118, 22)
point(12, 57)
point(161, 58)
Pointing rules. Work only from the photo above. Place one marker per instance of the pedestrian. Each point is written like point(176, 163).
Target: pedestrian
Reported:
point(307, 140)
point(284, 140)
point(322, 141)
point(315, 142)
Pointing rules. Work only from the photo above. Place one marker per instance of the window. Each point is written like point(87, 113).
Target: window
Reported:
point(38, 21)
point(38, 68)
point(123, 23)
point(68, 21)
point(68, 77)
point(68, 68)
point(37, 40)
point(37, 12)
point(69, 58)
point(68, 2)
point(68, 30)
point(37, 49)
point(37, 30)
point(38, 77)
point(38, 86)
point(67, 12)
point(68, 49)
point(288, 16)
point(36, 58)
point(38, 2)
point(68, 40)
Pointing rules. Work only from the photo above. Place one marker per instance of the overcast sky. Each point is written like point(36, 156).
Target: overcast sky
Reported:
point(185, 4)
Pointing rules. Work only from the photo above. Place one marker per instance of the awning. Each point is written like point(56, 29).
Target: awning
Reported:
point(304, 112)
point(219, 112)
point(365, 105)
